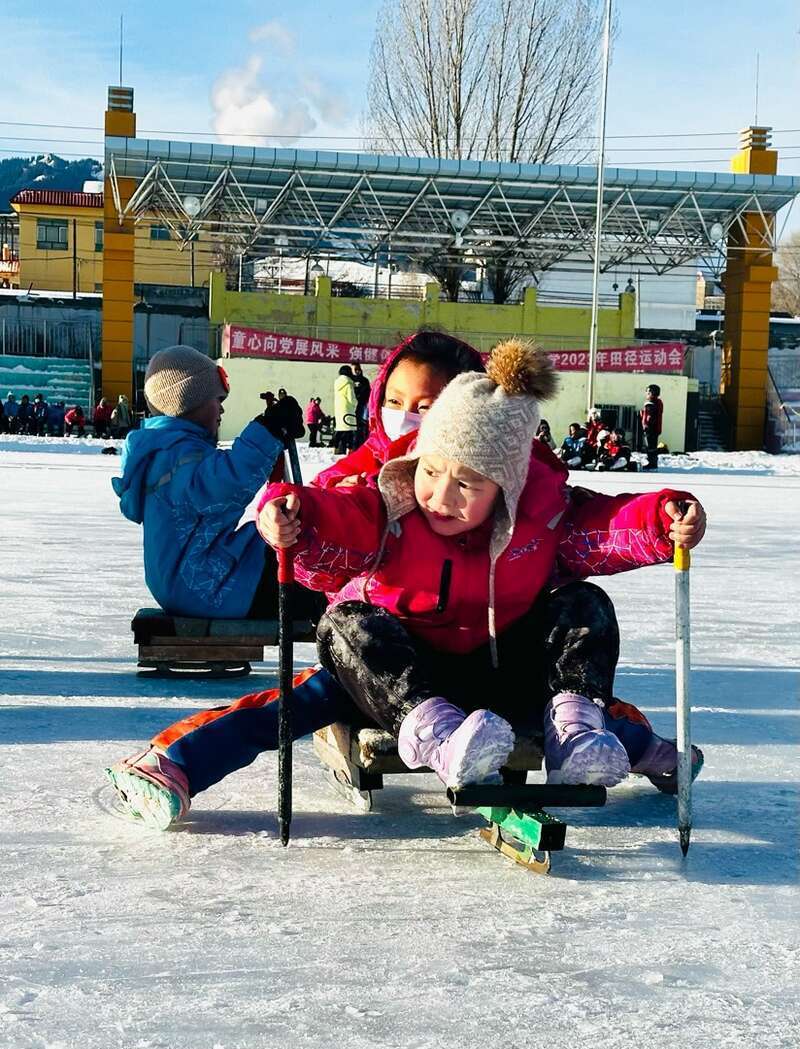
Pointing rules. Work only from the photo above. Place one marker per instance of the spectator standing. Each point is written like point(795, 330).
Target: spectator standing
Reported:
point(25, 415)
point(314, 418)
point(101, 420)
point(652, 415)
point(39, 409)
point(3, 419)
point(344, 408)
point(11, 409)
point(121, 419)
point(75, 419)
point(362, 387)
point(289, 412)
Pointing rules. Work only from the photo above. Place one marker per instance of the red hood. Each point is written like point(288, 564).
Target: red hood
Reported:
point(377, 440)
point(378, 448)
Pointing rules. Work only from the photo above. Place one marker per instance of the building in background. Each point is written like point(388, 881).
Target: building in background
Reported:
point(61, 242)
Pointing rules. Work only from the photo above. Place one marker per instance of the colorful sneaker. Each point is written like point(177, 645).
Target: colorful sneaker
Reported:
point(577, 746)
point(460, 749)
point(660, 764)
point(152, 788)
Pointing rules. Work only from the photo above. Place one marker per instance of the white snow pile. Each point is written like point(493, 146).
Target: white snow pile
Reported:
point(398, 929)
point(60, 445)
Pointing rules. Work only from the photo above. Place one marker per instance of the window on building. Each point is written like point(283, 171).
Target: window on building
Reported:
point(98, 236)
point(159, 233)
point(51, 234)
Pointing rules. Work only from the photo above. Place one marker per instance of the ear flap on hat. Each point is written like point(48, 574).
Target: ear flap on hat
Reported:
point(396, 485)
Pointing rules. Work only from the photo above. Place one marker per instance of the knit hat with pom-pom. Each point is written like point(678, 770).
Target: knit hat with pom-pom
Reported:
point(486, 422)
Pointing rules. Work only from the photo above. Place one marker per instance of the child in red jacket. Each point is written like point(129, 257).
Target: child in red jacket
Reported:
point(443, 581)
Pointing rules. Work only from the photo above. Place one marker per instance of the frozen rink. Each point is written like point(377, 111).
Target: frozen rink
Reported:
point(398, 929)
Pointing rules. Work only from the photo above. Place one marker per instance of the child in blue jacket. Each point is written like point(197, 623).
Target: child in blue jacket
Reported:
point(190, 495)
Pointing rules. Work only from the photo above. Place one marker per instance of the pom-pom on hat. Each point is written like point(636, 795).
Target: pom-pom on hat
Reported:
point(488, 423)
point(180, 379)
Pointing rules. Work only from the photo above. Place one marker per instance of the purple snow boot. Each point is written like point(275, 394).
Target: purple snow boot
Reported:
point(460, 749)
point(577, 746)
point(660, 764)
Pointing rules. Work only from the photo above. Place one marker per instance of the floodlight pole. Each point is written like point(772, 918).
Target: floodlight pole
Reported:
point(598, 225)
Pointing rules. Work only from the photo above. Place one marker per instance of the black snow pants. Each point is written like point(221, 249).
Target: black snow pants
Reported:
point(567, 642)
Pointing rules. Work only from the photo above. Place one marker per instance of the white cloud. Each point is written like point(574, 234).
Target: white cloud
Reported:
point(244, 107)
point(330, 105)
point(276, 33)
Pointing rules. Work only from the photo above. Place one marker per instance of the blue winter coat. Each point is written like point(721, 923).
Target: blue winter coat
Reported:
point(189, 495)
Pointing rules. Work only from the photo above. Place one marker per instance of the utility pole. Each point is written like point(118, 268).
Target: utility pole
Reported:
point(74, 258)
point(598, 227)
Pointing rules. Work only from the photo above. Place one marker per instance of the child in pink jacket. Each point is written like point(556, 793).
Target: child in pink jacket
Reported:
point(445, 627)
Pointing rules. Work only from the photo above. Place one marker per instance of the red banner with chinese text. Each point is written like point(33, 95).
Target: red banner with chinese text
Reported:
point(238, 341)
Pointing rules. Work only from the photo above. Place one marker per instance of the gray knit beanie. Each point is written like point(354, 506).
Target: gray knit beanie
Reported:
point(180, 379)
point(488, 423)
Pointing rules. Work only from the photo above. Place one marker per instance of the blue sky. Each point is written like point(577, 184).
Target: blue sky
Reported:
point(302, 67)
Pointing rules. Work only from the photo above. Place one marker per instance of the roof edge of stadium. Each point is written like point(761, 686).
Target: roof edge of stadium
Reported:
point(482, 170)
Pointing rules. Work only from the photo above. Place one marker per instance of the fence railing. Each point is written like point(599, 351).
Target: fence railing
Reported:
point(79, 340)
point(783, 420)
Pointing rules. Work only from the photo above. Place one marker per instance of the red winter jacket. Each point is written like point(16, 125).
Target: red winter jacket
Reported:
point(377, 449)
point(560, 533)
point(593, 428)
point(314, 414)
point(652, 416)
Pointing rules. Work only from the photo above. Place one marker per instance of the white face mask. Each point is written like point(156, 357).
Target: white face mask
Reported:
point(396, 422)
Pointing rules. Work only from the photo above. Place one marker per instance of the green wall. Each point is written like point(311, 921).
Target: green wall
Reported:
point(384, 322)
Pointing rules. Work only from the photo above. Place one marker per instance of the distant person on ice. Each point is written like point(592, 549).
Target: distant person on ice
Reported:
point(652, 416)
point(345, 408)
point(314, 419)
point(189, 495)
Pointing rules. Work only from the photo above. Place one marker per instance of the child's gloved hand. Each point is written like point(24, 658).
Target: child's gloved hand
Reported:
point(688, 523)
point(278, 522)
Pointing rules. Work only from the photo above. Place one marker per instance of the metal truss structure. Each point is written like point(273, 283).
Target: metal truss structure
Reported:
point(260, 202)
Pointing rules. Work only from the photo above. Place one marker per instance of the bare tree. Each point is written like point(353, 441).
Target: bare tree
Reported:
point(505, 275)
point(786, 290)
point(504, 80)
point(500, 80)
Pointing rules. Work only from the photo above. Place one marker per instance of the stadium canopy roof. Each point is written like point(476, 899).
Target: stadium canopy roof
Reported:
point(310, 203)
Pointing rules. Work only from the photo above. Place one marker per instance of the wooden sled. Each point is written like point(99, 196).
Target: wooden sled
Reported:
point(180, 646)
point(357, 759)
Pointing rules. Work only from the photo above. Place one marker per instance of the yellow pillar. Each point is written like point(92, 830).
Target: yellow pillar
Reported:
point(748, 282)
point(118, 259)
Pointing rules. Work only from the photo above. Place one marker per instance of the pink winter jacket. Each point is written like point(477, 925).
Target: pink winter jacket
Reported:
point(314, 414)
point(439, 586)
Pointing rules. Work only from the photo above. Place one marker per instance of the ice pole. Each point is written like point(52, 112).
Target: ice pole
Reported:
point(285, 664)
point(682, 562)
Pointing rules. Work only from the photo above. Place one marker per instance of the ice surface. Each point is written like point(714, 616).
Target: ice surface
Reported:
point(398, 928)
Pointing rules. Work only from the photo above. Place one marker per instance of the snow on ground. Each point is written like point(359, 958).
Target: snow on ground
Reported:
point(399, 928)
